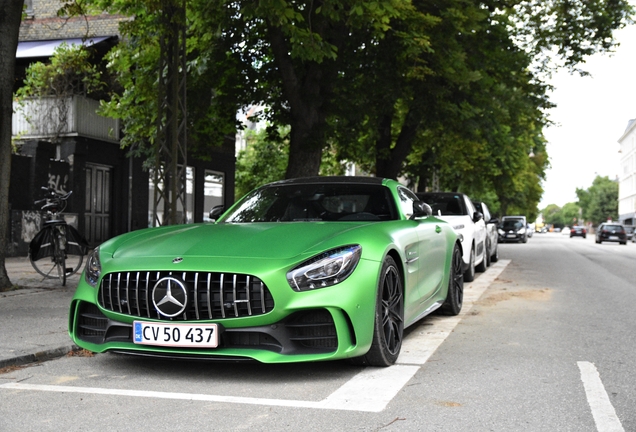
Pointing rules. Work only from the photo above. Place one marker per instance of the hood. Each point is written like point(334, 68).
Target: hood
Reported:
point(253, 240)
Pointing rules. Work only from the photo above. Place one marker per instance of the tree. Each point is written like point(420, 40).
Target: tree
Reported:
point(9, 29)
point(599, 203)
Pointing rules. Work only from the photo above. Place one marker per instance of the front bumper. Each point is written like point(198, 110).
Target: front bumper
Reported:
point(324, 324)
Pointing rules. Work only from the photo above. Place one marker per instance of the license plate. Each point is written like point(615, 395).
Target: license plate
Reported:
point(511, 236)
point(613, 238)
point(176, 335)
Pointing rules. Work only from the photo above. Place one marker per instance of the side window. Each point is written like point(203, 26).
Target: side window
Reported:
point(407, 198)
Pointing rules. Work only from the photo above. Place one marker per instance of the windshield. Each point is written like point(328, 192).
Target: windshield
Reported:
point(445, 205)
point(315, 202)
point(512, 224)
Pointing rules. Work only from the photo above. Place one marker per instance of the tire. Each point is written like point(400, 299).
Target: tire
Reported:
point(495, 256)
point(455, 296)
point(488, 257)
point(388, 328)
point(469, 274)
point(481, 267)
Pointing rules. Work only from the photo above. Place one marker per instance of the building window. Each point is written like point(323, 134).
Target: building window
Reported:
point(213, 192)
point(189, 200)
point(28, 8)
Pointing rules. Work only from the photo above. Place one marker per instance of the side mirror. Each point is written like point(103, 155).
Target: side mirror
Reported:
point(477, 216)
point(421, 209)
point(494, 221)
point(216, 212)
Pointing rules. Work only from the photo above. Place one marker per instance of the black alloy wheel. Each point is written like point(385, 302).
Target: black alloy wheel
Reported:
point(455, 296)
point(388, 329)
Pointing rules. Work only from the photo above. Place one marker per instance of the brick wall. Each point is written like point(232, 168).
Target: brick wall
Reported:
point(44, 24)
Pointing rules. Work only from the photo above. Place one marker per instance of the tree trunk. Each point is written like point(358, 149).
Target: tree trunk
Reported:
point(305, 97)
point(10, 19)
point(389, 161)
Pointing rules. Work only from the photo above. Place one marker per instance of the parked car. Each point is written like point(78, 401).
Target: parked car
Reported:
point(578, 231)
point(458, 210)
point(492, 236)
point(629, 231)
point(513, 229)
point(309, 269)
point(612, 232)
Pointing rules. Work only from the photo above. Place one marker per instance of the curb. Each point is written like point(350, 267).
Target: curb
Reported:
point(38, 356)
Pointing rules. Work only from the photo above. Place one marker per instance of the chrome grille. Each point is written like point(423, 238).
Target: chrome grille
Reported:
point(212, 295)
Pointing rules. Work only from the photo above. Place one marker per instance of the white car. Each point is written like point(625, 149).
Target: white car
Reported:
point(458, 210)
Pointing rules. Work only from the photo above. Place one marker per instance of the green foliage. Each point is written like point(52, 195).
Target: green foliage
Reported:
point(265, 159)
point(71, 71)
point(568, 215)
point(599, 202)
point(445, 93)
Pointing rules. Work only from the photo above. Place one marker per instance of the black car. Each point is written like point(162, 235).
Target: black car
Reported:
point(578, 231)
point(612, 232)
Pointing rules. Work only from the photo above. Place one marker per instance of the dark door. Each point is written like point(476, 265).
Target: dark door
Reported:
point(97, 216)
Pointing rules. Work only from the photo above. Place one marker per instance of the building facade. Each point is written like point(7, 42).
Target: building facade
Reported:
point(112, 191)
point(627, 179)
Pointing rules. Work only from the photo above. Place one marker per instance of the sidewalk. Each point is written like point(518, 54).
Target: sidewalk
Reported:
point(34, 318)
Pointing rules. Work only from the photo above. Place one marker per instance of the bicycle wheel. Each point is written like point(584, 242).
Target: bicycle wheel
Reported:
point(47, 266)
point(73, 263)
point(60, 265)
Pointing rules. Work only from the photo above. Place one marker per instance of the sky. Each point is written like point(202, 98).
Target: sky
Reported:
point(591, 115)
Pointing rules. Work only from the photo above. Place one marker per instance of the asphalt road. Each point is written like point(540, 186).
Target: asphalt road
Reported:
point(549, 346)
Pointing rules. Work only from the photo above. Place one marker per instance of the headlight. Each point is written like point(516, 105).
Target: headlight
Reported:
point(327, 269)
point(502, 232)
point(521, 231)
point(93, 268)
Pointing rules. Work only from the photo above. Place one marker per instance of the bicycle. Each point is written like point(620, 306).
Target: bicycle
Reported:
point(58, 249)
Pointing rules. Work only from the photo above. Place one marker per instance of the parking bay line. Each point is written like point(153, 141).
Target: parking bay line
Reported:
point(602, 409)
point(371, 390)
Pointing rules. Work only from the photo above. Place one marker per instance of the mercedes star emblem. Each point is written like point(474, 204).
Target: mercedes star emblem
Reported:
point(170, 296)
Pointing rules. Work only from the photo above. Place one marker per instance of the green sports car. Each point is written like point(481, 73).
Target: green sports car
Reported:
point(308, 269)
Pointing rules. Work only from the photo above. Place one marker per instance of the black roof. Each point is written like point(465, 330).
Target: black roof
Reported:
point(330, 179)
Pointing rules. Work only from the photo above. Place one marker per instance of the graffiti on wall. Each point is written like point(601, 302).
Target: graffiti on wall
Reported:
point(31, 222)
point(58, 183)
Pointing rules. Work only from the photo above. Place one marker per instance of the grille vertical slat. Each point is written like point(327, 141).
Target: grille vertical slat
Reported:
point(147, 297)
point(119, 292)
point(210, 295)
point(128, 292)
point(196, 295)
point(208, 298)
point(248, 286)
point(236, 313)
point(137, 295)
point(110, 290)
point(222, 296)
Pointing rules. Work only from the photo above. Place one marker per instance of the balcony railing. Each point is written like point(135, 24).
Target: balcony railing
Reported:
point(54, 118)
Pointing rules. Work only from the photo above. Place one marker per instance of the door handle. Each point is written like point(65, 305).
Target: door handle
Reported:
point(438, 229)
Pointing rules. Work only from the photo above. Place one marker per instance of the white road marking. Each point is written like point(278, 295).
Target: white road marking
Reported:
point(602, 409)
point(371, 390)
